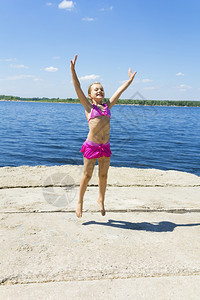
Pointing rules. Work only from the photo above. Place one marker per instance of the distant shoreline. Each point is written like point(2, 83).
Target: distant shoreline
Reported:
point(170, 103)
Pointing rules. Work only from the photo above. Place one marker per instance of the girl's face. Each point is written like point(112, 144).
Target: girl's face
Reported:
point(97, 93)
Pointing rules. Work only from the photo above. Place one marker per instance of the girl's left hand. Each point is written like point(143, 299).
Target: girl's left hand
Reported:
point(131, 75)
point(73, 62)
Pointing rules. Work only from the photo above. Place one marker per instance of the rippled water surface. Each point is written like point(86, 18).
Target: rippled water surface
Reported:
point(143, 137)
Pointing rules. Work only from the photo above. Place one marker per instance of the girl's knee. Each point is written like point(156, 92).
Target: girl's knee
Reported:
point(87, 175)
point(103, 175)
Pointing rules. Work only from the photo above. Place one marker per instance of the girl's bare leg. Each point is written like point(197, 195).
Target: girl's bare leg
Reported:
point(87, 174)
point(104, 163)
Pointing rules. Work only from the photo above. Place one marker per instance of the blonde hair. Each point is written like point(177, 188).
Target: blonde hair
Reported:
point(89, 89)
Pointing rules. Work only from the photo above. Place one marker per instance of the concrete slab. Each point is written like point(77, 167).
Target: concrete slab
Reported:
point(41, 199)
point(70, 175)
point(40, 247)
point(146, 247)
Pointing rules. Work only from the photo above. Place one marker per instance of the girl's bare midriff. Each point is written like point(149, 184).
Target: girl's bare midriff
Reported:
point(99, 130)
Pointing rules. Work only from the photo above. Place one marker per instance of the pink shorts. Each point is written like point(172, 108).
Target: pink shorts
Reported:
point(92, 150)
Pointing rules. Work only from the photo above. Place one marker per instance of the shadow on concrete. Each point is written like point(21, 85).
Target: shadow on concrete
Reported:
point(153, 227)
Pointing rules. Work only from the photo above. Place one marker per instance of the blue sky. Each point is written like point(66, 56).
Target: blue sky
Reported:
point(160, 39)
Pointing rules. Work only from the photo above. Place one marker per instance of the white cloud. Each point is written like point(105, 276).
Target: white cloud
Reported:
point(49, 3)
point(183, 87)
point(146, 80)
point(9, 59)
point(19, 77)
point(51, 69)
point(68, 5)
point(109, 8)
point(88, 19)
point(150, 88)
point(179, 74)
point(89, 77)
point(19, 66)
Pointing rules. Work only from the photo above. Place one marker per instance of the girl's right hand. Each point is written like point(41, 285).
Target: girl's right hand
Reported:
point(131, 75)
point(73, 62)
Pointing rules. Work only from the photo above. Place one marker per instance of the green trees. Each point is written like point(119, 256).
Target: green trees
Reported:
point(120, 101)
point(160, 102)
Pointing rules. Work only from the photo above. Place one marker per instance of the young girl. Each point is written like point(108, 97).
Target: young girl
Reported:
point(97, 144)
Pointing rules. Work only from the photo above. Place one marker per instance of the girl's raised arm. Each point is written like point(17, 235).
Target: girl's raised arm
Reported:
point(121, 89)
point(83, 99)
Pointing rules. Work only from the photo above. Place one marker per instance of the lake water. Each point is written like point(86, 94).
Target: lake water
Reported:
point(166, 138)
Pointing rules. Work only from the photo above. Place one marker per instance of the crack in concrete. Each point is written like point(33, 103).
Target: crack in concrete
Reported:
point(14, 279)
point(176, 211)
point(96, 185)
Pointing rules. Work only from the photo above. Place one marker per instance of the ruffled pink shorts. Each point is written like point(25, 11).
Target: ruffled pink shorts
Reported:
point(92, 150)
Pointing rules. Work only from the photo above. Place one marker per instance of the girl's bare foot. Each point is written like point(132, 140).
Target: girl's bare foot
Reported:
point(102, 209)
point(79, 210)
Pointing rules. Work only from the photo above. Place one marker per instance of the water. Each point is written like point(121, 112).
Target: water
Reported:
point(48, 134)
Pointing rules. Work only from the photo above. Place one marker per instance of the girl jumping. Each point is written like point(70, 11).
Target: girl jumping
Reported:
point(97, 144)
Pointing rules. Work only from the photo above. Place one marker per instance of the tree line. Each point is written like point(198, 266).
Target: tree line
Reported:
point(120, 101)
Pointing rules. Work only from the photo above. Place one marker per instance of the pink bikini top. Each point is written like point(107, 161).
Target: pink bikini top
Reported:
point(96, 112)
